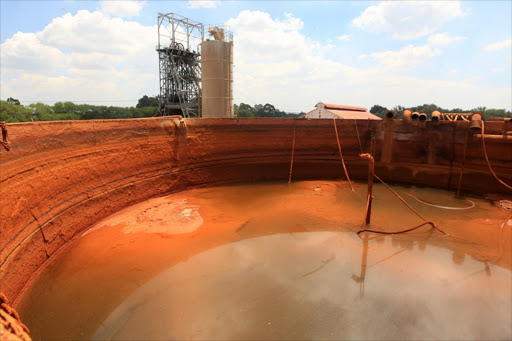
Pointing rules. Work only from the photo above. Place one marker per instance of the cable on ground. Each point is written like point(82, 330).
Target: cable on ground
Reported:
point(341, 154)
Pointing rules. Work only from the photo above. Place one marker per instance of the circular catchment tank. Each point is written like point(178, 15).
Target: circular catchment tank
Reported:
point(217, 74)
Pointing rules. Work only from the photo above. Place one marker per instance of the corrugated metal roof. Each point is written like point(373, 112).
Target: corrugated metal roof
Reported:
point(356, 115)
point(342, 107)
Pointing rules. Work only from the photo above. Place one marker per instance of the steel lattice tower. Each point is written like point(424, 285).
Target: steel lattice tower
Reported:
point(179, 55)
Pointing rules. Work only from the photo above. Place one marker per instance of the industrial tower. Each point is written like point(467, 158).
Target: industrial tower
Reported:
point(179, 55)
point(217, 73)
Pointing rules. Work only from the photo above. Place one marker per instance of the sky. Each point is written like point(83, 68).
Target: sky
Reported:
point(292, 54)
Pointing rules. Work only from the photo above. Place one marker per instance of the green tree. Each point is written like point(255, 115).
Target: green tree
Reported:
point(244, 106)
point(144, 112)
point(399, 110)
point(379, 110)
point(456, 110)
point(146, 101)
point(11, 113)
point(13, 101)
point(268, 110)
point(429, 109)
point(243, 113)
point(59, 108)
point(42, 111)
point(479, 109)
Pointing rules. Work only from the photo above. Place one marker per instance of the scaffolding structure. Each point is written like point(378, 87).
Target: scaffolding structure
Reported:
point(179, 55)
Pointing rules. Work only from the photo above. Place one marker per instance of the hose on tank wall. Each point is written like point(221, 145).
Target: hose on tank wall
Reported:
point(341, 155)
point(487, 159)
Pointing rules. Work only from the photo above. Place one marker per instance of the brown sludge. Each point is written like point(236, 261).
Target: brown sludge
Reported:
point(269, 258)
point(61, 178)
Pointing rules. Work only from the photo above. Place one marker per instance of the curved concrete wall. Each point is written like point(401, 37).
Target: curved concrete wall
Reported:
point(62, 177)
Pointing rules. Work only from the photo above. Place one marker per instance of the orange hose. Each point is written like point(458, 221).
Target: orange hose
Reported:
point(293, 152)
point(397, 232)
point(425, 221)
point(488, 163)
point(341, 155)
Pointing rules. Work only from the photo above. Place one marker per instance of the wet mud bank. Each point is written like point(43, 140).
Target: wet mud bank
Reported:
point(271, 261)
point(61, 178)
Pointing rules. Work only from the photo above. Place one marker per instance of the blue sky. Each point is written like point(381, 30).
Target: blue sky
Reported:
point(290, 54)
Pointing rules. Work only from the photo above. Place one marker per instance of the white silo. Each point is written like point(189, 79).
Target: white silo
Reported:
point(217, 74)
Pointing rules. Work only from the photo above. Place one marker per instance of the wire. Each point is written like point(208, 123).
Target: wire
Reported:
point(500, 242)
point(244, 94)
point(487, 159)
point(293, 152)
point(425, 221)
point(358, 138)
point(341, 155)
point(445, 207)
point(401, 231)
point(463, 161)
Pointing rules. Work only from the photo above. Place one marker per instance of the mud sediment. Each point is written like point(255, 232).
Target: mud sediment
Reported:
point(61, 178)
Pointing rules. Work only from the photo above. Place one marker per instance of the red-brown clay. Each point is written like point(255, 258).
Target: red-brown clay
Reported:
point(62, 177)
point(99, 271)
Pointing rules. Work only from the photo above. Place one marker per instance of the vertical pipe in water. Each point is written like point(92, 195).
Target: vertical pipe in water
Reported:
point(371, 170)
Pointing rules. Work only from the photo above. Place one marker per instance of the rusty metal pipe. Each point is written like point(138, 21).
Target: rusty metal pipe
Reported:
point(507, 138)
point(422, 117)
point(415, 115)
point(390, 115)
point(476, 122)
point(436, 116)
point(407, 115)
point(506, 119)
point(371, 171)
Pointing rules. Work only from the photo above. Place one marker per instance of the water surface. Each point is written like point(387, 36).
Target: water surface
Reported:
point(273, 261)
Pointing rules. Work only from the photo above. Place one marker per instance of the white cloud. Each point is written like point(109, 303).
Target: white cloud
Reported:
point(260, 38)
point(497, 69)
point(85, 57)
point(464, 94)
point(344, 37)
point(498, 46)
point(93, 61)
point(91, 56)
point(297, 74)
point(407, 57)
point(25, 52)
point(122, 8)
point(272, 55)
point(95, 31)
point(442, 39)
point(454, 73)
point(193, 4)
point(408, 19)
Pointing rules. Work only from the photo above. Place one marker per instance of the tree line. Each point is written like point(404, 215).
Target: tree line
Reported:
point(428, 109)
point(260, 110)
point(12, 110)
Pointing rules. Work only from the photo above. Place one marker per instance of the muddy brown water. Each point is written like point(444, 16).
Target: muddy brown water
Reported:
point(279, 261)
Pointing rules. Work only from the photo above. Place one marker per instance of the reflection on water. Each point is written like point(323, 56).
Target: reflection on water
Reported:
point(297, 286)
point(278, 262)
point(362, 274)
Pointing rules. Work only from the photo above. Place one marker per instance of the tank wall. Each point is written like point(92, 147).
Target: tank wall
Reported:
point(217, 78)
point(62, 177)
